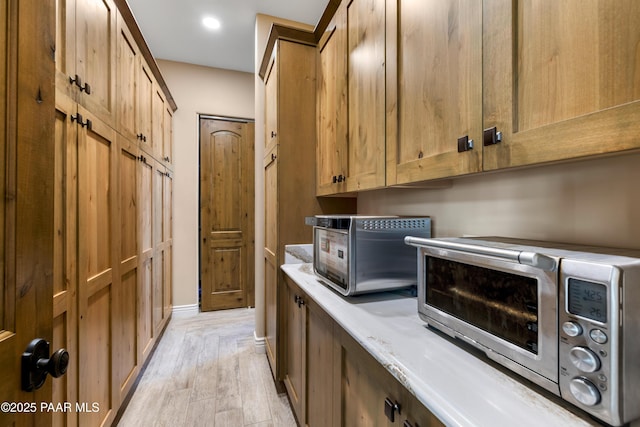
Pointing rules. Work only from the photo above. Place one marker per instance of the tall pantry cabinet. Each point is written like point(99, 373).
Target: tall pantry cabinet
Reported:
point(112, 209)
point(289, 72)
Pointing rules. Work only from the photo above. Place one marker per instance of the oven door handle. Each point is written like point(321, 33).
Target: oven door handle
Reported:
point(532, 259)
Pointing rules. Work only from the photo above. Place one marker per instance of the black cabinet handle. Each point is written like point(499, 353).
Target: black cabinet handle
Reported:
point(465, 144)
point(491, 136)
point(273, 134)
point(273, 156)
point(390, 409)
point(78, 117)
point(78, 82)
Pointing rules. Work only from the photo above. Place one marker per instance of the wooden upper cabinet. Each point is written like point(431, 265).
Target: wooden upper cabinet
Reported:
point(366, 94)
point(271, 103)
point(560, 79)
point(65, 48)
point(167, 141)
point(96, 56)
point(127, 89)
point(434, 89)
point(145, 103)
point(157, 122)
point(332, 131)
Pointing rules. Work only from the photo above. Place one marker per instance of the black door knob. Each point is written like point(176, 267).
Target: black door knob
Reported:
point(36, 364)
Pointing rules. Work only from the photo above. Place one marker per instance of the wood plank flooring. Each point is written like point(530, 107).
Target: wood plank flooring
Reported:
point(205, 372)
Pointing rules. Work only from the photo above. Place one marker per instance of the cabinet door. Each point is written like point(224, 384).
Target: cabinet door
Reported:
point(146, 173)
point(365, 386)
point(434, 89)
point(366, 104)
point(167, 141)
point(99, 233)
point(271, 103)
point(65, 47)
point(332, 151)
point(128, 62)
point(322, 382)
point(295, 330)
point(127, 363)
point(414, 414)
point(96, 56)
point(158, 248)
point(560, 79)
point(65, 253)
point(157, 122)
point(145, 102)
point(270, 255)
point(167, 220)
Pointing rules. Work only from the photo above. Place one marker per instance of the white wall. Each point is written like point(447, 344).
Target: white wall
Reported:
point(196, 90)
point(592, 202)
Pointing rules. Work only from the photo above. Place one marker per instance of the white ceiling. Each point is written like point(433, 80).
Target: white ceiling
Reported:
point(173, 28)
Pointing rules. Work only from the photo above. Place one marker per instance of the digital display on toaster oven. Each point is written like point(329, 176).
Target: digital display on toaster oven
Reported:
point(588, 299)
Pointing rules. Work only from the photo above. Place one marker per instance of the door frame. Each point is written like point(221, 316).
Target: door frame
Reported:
point(202, 116)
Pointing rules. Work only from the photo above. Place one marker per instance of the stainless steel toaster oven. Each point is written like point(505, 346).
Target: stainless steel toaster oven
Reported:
point(359, 254)
point(563, 316)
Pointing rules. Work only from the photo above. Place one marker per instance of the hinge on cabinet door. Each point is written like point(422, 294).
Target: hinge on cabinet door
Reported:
point(491, 136)
point(465, 144)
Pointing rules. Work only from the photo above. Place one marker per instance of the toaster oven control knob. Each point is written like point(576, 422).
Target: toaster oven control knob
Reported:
point(584, 391)
point(584, 359)
point(573, 329)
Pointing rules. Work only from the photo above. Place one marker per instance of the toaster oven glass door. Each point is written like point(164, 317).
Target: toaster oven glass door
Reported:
point(501, 303)
point(332, 255)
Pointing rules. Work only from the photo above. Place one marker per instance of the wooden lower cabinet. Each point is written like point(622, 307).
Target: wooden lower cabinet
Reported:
point(332, 381)
point(296, 325)
point(106, 262)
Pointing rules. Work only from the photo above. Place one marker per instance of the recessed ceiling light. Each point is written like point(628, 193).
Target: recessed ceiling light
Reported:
point(211, 23)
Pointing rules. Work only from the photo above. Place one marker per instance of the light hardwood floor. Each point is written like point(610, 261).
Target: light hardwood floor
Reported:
point(205, 372)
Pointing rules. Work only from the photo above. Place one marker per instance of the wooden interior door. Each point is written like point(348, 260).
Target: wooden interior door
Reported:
point(226, 213)
point(26, 183)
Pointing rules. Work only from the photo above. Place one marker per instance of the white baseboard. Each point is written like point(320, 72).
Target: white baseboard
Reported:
point(259, 343)
point(188, 310)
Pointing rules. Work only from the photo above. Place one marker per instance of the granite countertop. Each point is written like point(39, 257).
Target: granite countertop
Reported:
point(460, 388)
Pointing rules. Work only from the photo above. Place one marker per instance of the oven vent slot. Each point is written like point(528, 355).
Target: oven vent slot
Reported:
point(395, 224)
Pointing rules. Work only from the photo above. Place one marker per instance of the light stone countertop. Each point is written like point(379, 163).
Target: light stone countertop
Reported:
point(298, 254)
point(456, 386)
